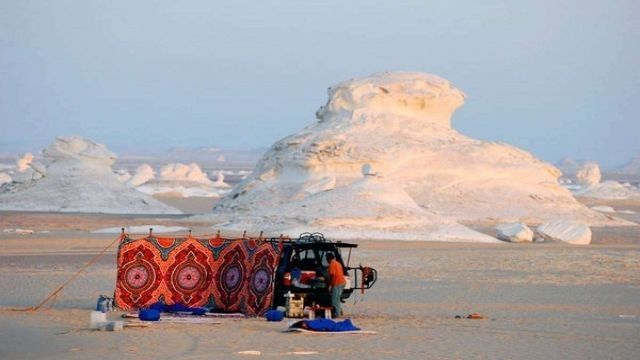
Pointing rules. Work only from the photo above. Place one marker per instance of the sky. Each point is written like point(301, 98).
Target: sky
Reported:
point(557, 78)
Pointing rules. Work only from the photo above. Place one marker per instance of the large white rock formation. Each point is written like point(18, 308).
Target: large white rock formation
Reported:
point(398, 125)
point(79, 178)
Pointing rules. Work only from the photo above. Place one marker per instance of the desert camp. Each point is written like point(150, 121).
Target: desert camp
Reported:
point(379, 180)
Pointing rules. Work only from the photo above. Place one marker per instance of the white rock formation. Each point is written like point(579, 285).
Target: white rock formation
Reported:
point(122, 175)
point(4, 178)
point(399, 125)
point(27, 170)
point(368, 208)
point(22, 163)
point(603, 209)
point(219, 183)
point(566, 231)
point(180, 180)
point(143, 174)
point(589, 175)
point(609, 190)
point(79, 179)
point(569, 167)
point(514, 232)
point(184, 173)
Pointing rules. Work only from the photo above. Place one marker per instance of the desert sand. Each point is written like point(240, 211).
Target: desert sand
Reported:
point(553, 301)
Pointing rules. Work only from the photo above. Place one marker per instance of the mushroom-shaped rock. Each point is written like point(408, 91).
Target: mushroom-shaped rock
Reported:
point(398, 126)
point(566, 231)
point(514, 232)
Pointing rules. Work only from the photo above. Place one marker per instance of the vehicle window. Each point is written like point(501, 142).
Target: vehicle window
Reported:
point(323, 256)
point(308, 260)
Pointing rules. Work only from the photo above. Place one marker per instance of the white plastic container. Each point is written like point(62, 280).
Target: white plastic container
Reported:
point(113, 326)
point(347, 285)
point(97, 320)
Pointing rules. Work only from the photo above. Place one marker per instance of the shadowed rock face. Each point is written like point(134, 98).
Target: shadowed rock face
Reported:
point(400, 125)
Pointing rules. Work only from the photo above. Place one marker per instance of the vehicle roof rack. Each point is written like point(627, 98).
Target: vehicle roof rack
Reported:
point(312, 237)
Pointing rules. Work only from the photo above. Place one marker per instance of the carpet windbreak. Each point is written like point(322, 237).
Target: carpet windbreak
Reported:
point(234, 275)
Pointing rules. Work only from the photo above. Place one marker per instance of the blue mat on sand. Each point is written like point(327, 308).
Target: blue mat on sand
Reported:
point(326, 325)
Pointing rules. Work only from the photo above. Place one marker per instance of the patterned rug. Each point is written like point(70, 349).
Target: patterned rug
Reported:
point(234, 275)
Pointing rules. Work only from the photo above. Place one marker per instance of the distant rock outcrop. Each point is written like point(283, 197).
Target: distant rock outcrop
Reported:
point(589, 175)
point(79, 178)
point(632, 167)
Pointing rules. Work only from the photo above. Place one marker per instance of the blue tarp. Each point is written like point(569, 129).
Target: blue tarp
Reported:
point(177, 307)
point(328, 325)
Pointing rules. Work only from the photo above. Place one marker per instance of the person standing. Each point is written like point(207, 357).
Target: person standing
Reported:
point(336, 284)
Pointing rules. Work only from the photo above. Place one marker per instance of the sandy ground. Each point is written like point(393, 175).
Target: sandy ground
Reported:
point(549, 301)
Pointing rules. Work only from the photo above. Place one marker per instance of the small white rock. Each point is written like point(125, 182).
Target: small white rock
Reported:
point(514, 232)
point(604, 209)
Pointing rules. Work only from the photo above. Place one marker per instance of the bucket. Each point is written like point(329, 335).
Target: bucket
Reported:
point(347, 285)
point(98, 318)
point(113, 326)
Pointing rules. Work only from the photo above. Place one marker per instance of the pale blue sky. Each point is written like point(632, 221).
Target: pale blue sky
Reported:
point(557, 78)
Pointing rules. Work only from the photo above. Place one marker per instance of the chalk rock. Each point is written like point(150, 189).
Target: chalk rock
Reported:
point(609, 190)
point(79, 179)
point(515, 232)
point(22, 164)
point(27, 170)
point(122, 175)
point(399, 124)
point(184, 173)
point(78, 149)
point(367, 170)
point(39, 168)
point(603, 208)
point(589, 175)
point(143, 174)
point(4, 178)
point(566, 231)
point(219, 183)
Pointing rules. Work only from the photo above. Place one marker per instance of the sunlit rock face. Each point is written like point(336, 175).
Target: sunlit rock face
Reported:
point(589, 175)
point(400, 125)
point(79, 178)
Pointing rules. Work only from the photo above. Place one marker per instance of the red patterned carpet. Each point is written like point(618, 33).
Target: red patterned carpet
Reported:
point(233, 275)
